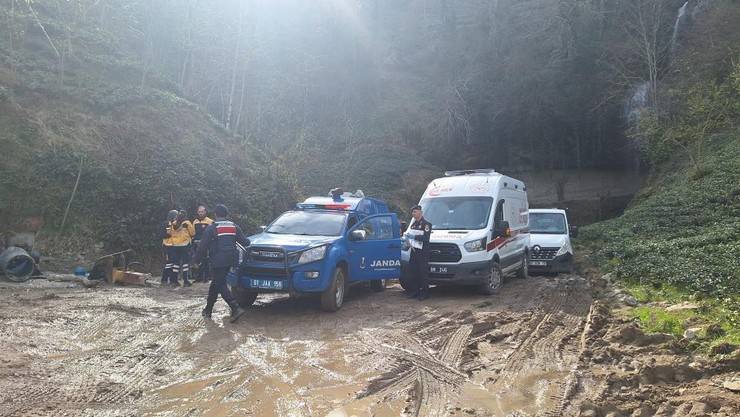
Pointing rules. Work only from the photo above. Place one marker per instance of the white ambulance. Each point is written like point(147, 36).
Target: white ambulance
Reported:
point(479, 230)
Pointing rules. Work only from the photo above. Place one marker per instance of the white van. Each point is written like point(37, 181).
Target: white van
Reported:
point(550, 250)
point(479, 229)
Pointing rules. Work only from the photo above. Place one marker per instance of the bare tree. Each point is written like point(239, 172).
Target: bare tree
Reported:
point(647, 31)
point(60, 58)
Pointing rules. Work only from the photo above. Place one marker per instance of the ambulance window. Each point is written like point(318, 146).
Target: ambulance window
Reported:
point(499, 216)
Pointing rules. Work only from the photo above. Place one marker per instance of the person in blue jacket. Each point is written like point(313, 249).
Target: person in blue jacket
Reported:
point(219, 243)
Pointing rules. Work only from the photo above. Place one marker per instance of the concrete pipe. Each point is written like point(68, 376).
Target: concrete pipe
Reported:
point(16, 264)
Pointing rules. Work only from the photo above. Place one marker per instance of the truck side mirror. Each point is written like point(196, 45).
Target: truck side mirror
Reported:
point(263, 228)
point(573, 231)
point(501, 229)
point(357, 235)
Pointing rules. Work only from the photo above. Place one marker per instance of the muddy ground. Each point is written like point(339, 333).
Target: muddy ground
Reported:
point(541, 347)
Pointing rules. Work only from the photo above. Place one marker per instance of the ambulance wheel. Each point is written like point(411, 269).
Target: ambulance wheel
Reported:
point(494, 281)
point(333, 298)
point(378, 285)
point(244, 297)
point(523, 271)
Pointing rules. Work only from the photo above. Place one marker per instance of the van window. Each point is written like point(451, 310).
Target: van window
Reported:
point(547, 223)
point(457, 213)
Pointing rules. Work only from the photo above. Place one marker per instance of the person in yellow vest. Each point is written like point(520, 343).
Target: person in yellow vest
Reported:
point(177, 234)
point(201, 223)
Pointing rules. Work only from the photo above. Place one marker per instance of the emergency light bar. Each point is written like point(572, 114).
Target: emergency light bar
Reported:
point(331, 206)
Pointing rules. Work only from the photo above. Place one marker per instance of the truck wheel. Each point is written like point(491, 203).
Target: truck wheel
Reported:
point(494, 281)
point(523, 271)
point(378, 285)
point(333, 298)
point(244, 297)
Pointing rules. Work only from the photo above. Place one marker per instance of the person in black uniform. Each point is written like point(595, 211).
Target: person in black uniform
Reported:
point(219, 242)
point(419, 262)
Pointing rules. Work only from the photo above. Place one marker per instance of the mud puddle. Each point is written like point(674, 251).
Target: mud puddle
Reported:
point(122, 352)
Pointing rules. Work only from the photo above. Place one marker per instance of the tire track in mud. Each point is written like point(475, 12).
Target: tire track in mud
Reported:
point(430, 376)
point(150, 350)
point(540, 338)
point(551, 346)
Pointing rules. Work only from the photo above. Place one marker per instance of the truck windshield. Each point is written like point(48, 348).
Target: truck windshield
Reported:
point(547, 223)
point(308, 223)
point(457, 213)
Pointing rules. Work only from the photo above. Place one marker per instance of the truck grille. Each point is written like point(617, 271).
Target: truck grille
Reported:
point(544, 254)
point(264, 272)
point(266, 255)
point(444, 252)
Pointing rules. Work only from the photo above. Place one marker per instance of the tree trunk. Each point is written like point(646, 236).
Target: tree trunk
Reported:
point(60, 62)
point(234, 67)
point(241, 101)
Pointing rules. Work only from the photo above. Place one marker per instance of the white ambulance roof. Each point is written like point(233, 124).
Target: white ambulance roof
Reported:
point(477, 184)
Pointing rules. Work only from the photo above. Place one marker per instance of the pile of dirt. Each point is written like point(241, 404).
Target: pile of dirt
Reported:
point(626, 372)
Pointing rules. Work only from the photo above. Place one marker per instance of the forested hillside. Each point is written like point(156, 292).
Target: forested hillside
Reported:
point(168, 103)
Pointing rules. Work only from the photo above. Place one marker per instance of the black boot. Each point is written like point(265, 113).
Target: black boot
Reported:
point(236, 313)
point(206, 313)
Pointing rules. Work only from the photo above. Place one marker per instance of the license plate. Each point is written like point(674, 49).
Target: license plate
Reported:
point(538, 263)
point(438, 269)
point(269, 284)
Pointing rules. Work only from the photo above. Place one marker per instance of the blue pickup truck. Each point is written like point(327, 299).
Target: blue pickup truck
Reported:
point(322, 247)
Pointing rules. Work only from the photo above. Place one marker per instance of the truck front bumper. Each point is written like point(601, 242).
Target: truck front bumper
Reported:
point(308, 278)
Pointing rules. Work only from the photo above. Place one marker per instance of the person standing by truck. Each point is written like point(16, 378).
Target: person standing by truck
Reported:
point(219, 243)
point(201, 223)
point(418, 235)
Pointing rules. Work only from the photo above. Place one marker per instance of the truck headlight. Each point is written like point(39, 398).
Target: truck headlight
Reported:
point(563, 249)
point(312, 255)
point(475, 245)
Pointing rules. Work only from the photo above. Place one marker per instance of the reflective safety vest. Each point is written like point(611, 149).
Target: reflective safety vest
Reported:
point(200, 227)
point(180, 236)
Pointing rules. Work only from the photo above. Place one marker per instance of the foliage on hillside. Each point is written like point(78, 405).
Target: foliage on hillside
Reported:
point(685, 227)
point(685, 231)
point(139, 150)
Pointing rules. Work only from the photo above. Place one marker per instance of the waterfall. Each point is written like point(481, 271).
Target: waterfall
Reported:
point(680, 19)
point(637, 102)
point(639, 99)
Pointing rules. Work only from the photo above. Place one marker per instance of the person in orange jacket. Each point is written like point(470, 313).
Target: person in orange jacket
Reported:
point(177, 235)
point(201, 223)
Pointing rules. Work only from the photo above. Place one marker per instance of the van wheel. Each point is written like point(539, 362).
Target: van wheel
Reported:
point(244, 297)
point(333, 298)
point(378, 285)
point(494, 281)
point(523, 271)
